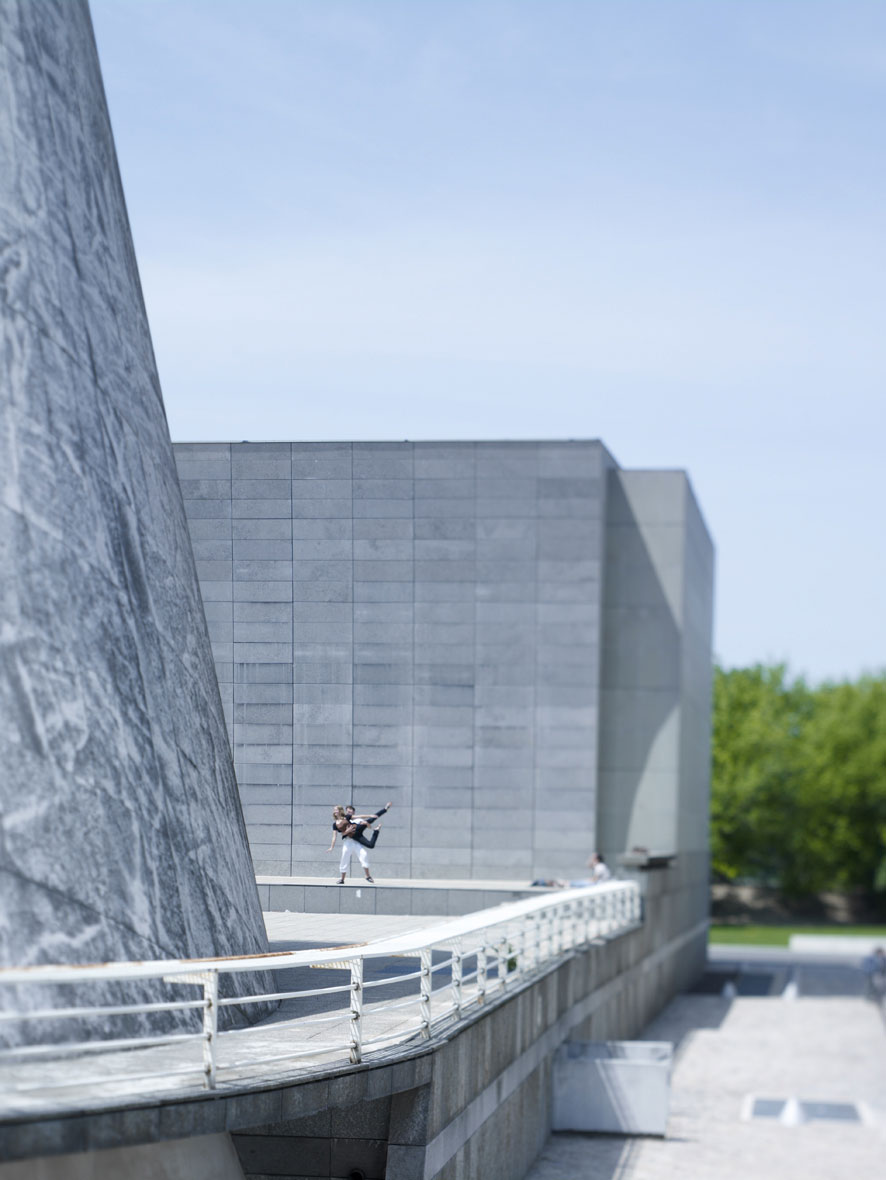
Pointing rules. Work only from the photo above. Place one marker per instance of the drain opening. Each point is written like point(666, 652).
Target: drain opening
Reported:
point(844, 1112)
point(792, 1111)
point(768, 1108)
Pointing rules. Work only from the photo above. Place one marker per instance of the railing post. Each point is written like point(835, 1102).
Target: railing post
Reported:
point(356, 1011)
point(457, 978)
point(425, 1002)
point(210, 1027)
point(502, 955)
point(481, 974)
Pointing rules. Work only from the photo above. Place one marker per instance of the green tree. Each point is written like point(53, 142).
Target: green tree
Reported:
point(799, 780)
point(844, 783)
point(758, 718)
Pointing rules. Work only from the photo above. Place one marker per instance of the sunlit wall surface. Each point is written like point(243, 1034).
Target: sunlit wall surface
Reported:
point(419, 622)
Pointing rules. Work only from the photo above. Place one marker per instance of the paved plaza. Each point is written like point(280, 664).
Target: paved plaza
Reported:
point(796, 1028)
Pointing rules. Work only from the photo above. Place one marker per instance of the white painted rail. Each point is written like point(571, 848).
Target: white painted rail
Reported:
point(486, 953)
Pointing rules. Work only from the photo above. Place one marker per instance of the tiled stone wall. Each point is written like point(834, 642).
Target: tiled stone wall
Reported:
point(408, 621)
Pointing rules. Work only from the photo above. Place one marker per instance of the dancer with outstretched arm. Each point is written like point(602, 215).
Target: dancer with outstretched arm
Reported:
point(352, 829)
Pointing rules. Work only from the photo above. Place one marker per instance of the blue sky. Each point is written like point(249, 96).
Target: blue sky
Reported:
point(655, 222)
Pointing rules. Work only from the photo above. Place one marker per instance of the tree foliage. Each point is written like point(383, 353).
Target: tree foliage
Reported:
point(799, 780)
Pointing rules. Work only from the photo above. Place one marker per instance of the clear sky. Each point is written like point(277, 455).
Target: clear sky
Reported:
point(655, 222)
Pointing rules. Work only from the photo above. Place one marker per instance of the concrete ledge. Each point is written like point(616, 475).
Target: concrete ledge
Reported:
point(432, 898)
point(843, 945)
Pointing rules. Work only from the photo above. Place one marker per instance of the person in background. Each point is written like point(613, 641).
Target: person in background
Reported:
point(599, 873)
point(874, 967)
point(599, 869)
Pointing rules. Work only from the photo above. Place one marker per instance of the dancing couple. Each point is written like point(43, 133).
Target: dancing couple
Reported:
point(352, 829)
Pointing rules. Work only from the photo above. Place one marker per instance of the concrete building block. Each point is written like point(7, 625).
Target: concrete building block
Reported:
point(258, 549)
point(273, 1155)
point(360, 899)
point(206, 452)
point(261, 612)
point(369, 509)
point(261, 509)
point(260, 467)
point(331, 463)
point(259, 591)
point(322, 900)
point(383, 591)
point(434, 903)
point(259, 489)
point(207, 509)
point(319, 508)
point(405, 1162)
point(465, 644)
point(274, 633)
point(322, 528)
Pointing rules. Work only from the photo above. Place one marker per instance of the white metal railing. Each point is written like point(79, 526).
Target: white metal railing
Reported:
point(486, 953)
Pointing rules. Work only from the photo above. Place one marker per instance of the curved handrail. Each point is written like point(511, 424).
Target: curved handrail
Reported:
point(505, 943)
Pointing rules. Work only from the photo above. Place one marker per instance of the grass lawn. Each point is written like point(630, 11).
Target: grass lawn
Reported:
point(779, 935)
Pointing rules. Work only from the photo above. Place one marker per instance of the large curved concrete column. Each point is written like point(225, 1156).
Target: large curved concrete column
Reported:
point(121, 833)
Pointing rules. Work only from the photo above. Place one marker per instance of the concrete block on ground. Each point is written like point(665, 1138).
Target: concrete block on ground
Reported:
point(617, 1087)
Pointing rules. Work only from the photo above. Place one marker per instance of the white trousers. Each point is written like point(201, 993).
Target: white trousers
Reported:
point(348, 848)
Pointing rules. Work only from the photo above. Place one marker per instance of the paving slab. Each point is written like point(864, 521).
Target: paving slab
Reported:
point(797, 1042)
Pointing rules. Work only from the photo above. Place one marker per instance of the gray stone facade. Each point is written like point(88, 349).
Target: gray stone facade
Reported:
point(424, 622)
point(121, 834)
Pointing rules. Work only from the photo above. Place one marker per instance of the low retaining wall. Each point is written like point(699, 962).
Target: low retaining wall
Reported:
point(444, 899)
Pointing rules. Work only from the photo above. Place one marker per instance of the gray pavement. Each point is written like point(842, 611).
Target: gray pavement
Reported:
point(795, 1028)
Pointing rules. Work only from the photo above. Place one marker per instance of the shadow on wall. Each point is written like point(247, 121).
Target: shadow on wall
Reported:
point(641, 663)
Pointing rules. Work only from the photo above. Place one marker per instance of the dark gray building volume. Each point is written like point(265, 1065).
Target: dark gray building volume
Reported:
point(511, 640)
point(121, 834)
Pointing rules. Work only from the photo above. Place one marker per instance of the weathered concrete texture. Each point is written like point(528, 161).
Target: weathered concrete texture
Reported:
point(408, 621)
point(206, 1157)
point(122, 835)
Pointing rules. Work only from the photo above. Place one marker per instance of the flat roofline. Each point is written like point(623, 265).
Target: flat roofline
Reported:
point(385, 442)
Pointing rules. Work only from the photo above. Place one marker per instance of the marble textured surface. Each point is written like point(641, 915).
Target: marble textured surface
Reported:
point(121, 834)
